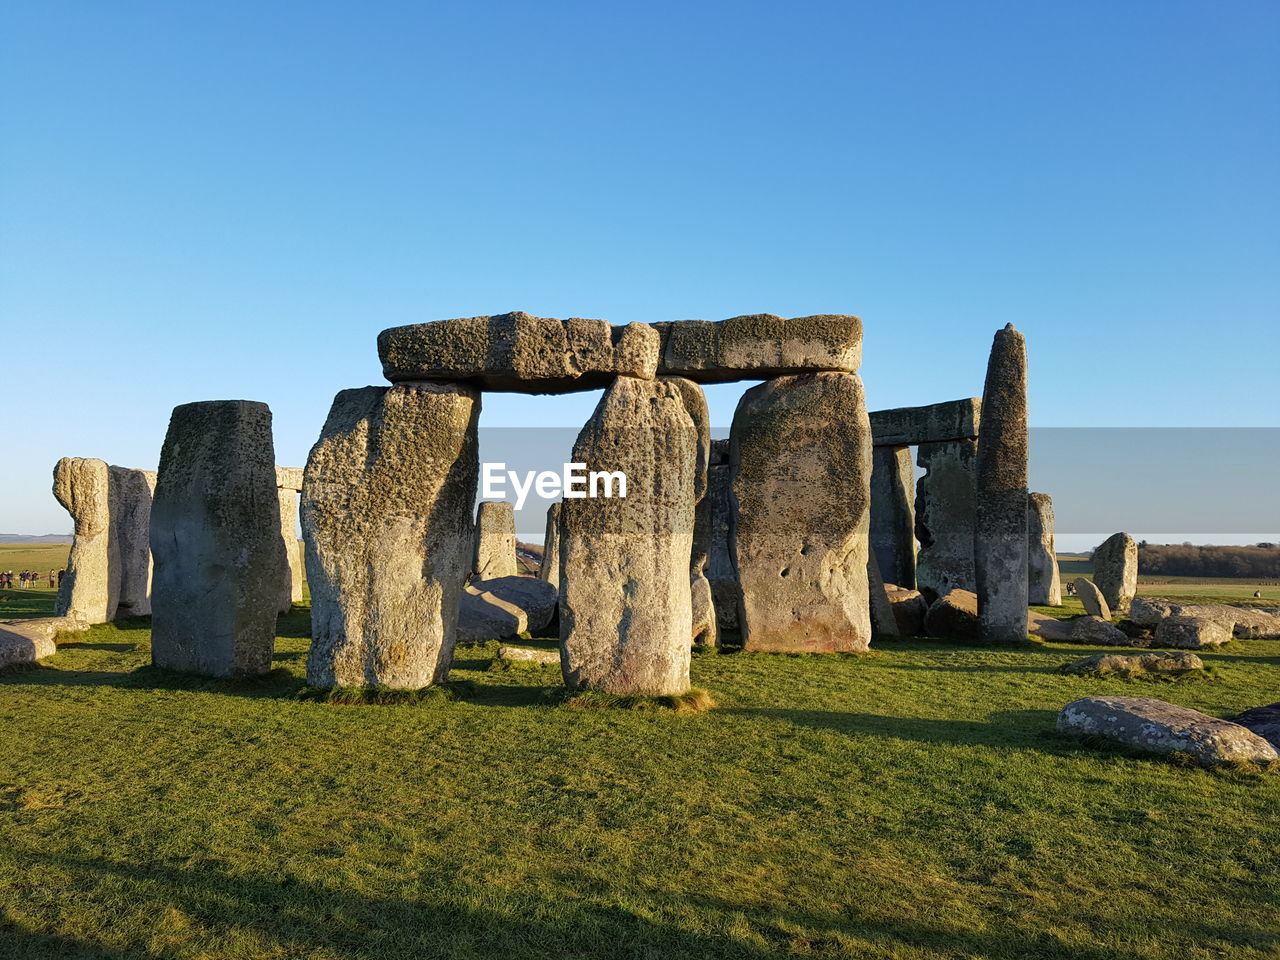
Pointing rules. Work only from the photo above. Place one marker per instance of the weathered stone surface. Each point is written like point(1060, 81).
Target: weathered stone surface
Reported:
point(1000, 532)
point(546, 658)
point(1264, 721)
point(215, 537)
point(714, 512)
point(705, 631)
point(625, 605)
point(759, 347)
point(1136, 665)
point(893, 515)
point(1044, 585)
point(954, 617)
point(909, 610)
point(1115, 571)
point(88, 591)
point(519, 353)
point(505, 607)
point(26, 641)
point(1049, 628)
point(1102, 632)
point(550, 569)
point(288, 486)
point(883, 622)
point(387, 519)
point(934, 423)
point(495, 551)
point(1154, 726)
point(1095, 604)
point(1246, 623)
point(130, 496)
point(946, 509)
point(1191, 633)
point(800, 463)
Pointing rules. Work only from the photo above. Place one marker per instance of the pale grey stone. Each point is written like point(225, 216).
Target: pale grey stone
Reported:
point(1136, 664)
point(288, 486)
point(883, 621)
point(1091, 629)
point(215, 537)
point(1000, 532)
point(1246, 623)
point(946, 510)
point(387, 520)
point(1049, 628)
point(546, 658)
point(550, 569)
point(800, 460)
point(909, 610)
point(625, 605)
point(1044, 585)
point(893, 516)
point(1191, 633)
point(705, 630)
point(520, 353)
point(1154, 726)
point(26, 641)
point(954, 617)
point(934, 423)
point(1095, 604)
point(91, 584)
point(759, 347)
point(495, 552)
point(131, 493)
point(505, 607)
point(1115, 571)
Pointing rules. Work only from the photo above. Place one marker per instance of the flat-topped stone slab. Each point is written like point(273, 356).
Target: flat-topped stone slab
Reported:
point(759, 347)
point(519, 353)
point(934, 423)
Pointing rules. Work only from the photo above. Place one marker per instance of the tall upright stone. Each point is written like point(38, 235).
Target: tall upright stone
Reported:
point(131, 493)
point(625, 610)
point(800, 462)
point(495, 548)
point(946, 512)
point(550, 569)
point(893, 520)
point(1000, 537)
point(714, 517)
point(1044, 584)
point(883, 621)
point(215, 537)
point(1115, 571)
point(288, 486)
point(87, 592)
point(387, 525)
point(705, 630)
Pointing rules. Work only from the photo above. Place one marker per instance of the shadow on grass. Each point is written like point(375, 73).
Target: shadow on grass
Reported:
point(110, 647)
point(278, 683)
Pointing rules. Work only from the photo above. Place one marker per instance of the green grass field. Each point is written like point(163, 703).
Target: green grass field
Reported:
point(912, 803)
point(40, 557)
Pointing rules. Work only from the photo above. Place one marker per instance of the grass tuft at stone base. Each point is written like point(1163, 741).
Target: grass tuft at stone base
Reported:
point(692, 701)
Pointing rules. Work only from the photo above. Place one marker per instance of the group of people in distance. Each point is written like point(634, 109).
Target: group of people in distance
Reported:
point(28, 579)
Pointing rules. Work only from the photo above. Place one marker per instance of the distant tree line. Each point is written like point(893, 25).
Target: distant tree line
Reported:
point(1258, 562)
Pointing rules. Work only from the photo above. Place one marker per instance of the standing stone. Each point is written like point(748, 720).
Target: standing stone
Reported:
point(386, 517)
point(550, 569)
point(495, 548)
point(883, 621)
point(800, 461)
point(1000, 535)
point(288, 486)
point(1044, 585)
point(714, 511)
point(1091, 598)
point(946, 508)
point(1115, 570)
point(705, 631)
point(88, 592)
point(625, 609)
point(131, 493)
point(215, 536)
point(893, 521)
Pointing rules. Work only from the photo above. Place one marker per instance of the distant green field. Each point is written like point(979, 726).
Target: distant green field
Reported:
point(40, 557)
point(1206, 589)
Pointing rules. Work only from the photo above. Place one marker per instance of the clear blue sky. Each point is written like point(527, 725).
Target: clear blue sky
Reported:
point(226, 200)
